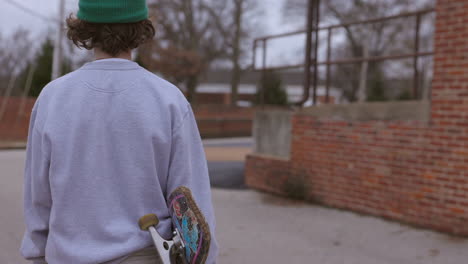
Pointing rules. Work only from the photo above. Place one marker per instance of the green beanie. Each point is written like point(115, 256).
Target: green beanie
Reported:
point(113, 11)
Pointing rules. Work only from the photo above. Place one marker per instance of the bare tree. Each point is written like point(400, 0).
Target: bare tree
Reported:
point(188, 38)
point(238, 12)
point(15, 54)
point(238, 30)
point(378, 38)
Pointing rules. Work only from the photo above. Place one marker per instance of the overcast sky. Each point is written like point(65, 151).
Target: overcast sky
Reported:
point(12, 17)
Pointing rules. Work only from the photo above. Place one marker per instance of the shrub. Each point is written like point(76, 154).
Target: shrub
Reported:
point(275, 93)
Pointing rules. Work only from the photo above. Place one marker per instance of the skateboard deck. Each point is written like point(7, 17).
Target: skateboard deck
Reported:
point(191, 225)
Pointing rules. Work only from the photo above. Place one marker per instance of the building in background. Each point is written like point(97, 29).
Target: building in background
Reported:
point(215, 88)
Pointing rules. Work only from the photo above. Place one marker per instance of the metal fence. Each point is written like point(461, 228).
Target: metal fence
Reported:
point(311, 64)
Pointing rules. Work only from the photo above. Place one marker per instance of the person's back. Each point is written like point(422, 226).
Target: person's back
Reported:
point(107, 144)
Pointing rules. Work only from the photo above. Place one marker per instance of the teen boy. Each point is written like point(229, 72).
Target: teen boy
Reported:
point(107, 144)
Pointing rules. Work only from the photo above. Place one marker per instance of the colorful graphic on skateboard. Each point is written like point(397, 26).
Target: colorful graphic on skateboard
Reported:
point(191, 241)
point(189, 221)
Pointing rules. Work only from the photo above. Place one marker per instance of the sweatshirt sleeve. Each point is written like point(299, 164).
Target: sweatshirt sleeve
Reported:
point(188, 167)
point(37, 197)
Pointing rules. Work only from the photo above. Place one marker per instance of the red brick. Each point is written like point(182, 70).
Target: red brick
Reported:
point(407, 171)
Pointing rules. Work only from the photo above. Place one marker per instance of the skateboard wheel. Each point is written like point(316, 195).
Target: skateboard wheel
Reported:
point(148, 220)
point(176, 256)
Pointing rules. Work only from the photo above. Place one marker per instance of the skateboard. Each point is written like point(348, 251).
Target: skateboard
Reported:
point(191, 237)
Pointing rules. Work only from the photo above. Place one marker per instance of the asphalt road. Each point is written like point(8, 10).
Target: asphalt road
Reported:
point(226, 174)
point(226, 161)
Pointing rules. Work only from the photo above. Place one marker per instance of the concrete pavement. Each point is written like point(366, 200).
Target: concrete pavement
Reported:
point(258, 228)
point(11, 205)
point(253, 227)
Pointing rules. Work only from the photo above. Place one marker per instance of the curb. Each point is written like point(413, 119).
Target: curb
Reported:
point(12, 145)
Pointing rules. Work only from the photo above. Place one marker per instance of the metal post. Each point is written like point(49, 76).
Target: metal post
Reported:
point(308, 59)
point(262, 89)
point(362, 92)
point(254, 57)
point(26, 90)
point(415, 62)
point(7, 95)
point(317, 11)
point(58, 52)
point(327, 96)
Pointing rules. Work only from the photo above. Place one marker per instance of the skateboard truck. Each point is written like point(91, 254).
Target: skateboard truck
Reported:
point(170, 251)
point(191, 238)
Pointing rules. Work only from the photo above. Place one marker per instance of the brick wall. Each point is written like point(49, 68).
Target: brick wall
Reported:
point(411, 171)
point(223, 121)
point(213, 120)
point(267, 173)
point(13, 124)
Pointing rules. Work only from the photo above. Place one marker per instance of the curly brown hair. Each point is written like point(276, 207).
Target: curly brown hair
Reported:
point(110, 38)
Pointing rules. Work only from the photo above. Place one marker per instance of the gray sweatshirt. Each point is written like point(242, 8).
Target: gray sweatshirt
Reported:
point(107, 144)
